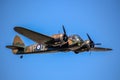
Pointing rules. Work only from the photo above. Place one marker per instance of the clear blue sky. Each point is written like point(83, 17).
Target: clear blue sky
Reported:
point(99, 18)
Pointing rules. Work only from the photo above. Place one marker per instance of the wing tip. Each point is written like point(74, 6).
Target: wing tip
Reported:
point(17, 27)
point(109, 49)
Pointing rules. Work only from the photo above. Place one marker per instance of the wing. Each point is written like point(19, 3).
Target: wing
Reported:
point(100, 49)
point(35, 36)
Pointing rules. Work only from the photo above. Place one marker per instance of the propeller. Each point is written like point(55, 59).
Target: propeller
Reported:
point(65, 37)
point(92, 44)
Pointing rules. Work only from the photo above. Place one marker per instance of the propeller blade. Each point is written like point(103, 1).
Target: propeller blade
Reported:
point(65, 38)
point(90, 53)
point(64, 29)
point(92, 44)
point(98, 44)
point(89, 37)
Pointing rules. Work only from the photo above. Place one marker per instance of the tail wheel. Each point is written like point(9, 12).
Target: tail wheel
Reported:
point(21, 56)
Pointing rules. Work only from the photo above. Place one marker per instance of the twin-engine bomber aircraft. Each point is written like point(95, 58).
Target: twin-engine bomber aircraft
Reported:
point(55, 43)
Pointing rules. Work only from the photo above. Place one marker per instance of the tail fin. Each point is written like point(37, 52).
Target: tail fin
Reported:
point(18, 42)
point(17, 46)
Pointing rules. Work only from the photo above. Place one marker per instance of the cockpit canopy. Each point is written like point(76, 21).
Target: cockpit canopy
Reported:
point(75, 38)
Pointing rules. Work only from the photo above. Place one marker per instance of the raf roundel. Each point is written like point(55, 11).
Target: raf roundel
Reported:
point(38, 46)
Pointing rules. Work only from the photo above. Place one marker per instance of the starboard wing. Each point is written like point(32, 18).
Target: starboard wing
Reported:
point(100, 49)
point(35, 36)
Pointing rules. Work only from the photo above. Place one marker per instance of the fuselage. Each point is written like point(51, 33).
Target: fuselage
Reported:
point(73, 43)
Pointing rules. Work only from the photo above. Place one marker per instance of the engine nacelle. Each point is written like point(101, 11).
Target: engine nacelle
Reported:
point(58, 37)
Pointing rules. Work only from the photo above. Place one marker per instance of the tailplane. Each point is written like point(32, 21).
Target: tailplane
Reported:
point(17, 46)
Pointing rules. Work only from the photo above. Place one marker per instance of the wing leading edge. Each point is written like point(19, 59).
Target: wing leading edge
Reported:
point(35, 36)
